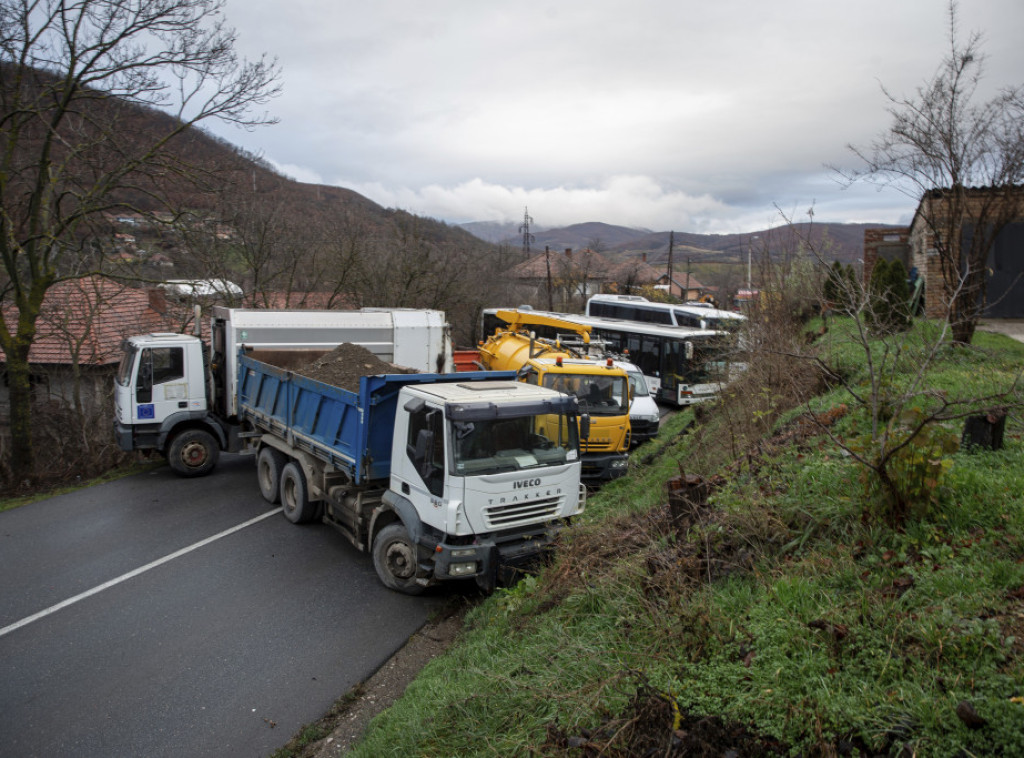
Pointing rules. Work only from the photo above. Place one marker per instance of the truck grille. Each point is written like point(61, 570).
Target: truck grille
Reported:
point(508, 515)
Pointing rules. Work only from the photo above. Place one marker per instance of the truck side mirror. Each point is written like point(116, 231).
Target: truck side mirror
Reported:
point(415, 405)
point(585, 426)
point(144, 380)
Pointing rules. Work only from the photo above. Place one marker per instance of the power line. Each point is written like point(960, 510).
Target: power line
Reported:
point(525, 231)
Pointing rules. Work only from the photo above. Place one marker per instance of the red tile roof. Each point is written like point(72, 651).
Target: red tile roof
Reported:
point(637, 271)
point(89, 317)
point(300, 300)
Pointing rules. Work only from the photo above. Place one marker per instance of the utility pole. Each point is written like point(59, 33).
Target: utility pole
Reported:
point(525, 231)
point(671, 244)
point(547, 260)
point(750, 256)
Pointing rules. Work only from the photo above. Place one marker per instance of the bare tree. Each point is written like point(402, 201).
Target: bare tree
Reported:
point(75, 75)
point(940, 147)
point(574, 273)
point(72, 415)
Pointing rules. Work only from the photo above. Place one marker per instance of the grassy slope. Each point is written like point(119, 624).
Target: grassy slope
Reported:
point(818, 629)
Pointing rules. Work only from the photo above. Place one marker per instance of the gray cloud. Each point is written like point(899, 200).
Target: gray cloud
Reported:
point(657, 113)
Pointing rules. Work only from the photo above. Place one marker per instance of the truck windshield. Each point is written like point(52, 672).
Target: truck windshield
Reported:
point(124, 371)
point(512, 444)
point(598, 394)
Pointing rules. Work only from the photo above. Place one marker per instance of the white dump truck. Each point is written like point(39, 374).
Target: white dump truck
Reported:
point(174, 397)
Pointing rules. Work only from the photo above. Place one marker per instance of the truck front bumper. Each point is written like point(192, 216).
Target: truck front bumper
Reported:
point(643, 430)
point(485, 555)
point(137, 436)
point(602, 467)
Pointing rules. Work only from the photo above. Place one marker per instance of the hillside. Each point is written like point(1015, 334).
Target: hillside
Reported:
point(742, 592)
point(196, 178)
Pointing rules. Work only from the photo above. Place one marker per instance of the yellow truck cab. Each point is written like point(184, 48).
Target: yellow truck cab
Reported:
point(601, 387)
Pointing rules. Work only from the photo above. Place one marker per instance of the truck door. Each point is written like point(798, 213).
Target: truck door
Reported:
point(425, 449)
point(160, 385)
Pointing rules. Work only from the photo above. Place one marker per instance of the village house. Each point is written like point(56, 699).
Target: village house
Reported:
point(78, 344)
point(917, 247)
point(629, 276)
point(573, 276)
point(684, 287)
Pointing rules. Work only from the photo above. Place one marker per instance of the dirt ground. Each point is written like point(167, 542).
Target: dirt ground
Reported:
point(346, 364)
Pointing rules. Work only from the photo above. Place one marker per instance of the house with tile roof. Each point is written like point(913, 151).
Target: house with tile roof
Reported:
point(993, 215)
point(573, 276)
point(78, 343)
point(630, 275)
point(683, 286)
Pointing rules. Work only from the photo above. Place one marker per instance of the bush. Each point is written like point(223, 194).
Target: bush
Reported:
point(888, 310)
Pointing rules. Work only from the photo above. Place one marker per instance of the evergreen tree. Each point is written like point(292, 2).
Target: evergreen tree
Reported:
point(877, 306)
point(853, 288)
point(897, 294)
point(831, 291)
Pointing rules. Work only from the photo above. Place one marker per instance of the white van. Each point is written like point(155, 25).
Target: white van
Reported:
point(644, 415)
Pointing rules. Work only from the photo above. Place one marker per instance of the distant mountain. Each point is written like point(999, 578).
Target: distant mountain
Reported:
point(498, 232)
point(844, 242)
point(576, 236)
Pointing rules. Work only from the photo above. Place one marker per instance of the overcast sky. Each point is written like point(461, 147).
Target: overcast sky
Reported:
point(686, 115)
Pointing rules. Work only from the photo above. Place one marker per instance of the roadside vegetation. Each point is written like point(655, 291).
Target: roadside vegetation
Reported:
point(801, 608)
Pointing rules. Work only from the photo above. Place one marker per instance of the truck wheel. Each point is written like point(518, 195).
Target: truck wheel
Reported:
point(394, 558)
point(194, 452)
point(295, 495)
point(269, 466)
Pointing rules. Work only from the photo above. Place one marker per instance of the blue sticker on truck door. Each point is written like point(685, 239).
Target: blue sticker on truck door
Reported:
point(145, 410)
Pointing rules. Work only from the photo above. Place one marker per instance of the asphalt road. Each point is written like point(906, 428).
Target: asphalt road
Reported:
point(173, 643)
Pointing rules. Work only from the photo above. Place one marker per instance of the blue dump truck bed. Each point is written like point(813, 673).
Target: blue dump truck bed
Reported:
point(351, 431)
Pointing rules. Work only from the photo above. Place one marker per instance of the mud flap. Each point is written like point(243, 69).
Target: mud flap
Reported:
point(487, 579)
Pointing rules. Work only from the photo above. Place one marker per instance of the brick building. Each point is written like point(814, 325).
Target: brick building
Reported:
point(941, 213)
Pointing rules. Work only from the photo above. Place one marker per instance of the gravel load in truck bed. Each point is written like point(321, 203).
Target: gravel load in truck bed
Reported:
point(345, 364)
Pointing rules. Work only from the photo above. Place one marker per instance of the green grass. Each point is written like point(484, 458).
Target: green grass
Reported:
point(783, 609)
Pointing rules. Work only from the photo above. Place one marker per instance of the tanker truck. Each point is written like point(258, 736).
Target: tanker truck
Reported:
point(600, 387)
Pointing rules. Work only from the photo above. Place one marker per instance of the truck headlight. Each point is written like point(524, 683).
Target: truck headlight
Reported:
point(620, 463)
point(464, 552)
point(462, 569)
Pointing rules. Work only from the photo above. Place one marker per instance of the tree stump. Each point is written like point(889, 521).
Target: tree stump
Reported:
point(984, 431)
point(687, 497)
